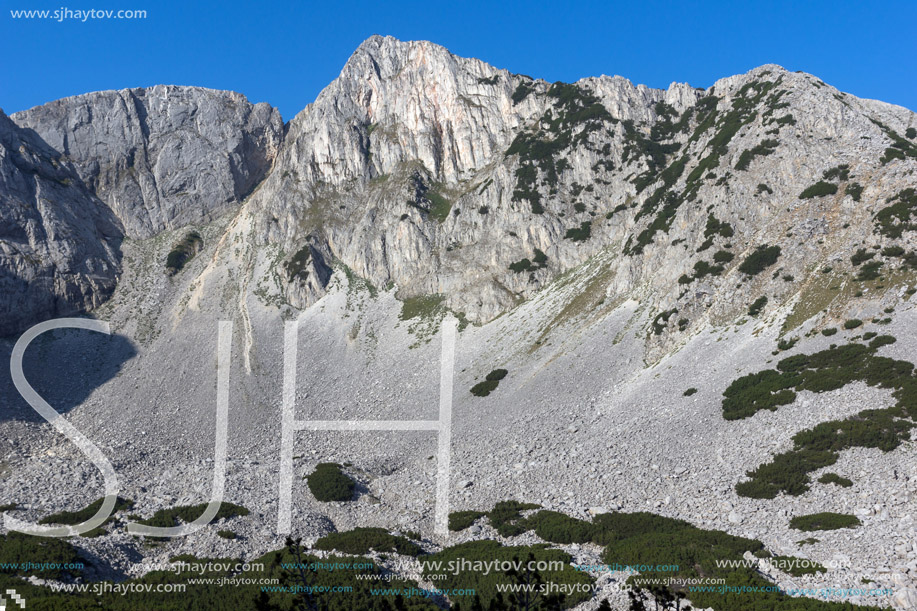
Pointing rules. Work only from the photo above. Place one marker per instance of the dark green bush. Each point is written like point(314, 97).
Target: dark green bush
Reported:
point(819, 189)
point(71, 518)
point(824, 521)
point(661, 321)
point(496, 374)
point(852, 323)
point(723, 256)
point(689, 392)
point(540, 259)
point(762, 258)
point(829, 331)
point(329, 484)
point(841, 172)
point(892, 251)
point(870, 271)
point(523, 265)
point(506, 517)
point(861, 256)
point(482, 389)
point(765, 148)
point(227, 534)
point(560, 528)
point(834, 478)
point(580, 234)
point(165, 518)
point(460, 520)
point(910, 133)
point(763, 188)
point(758, 306)
point(522, 91)
point(854, 190)
point(361, 541)
point(490, 383)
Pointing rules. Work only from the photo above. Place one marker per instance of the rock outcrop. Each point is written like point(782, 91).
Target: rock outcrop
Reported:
point(59, 245)
point(165, 156)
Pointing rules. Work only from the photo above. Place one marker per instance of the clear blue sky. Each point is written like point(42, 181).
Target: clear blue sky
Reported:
point(284, 53)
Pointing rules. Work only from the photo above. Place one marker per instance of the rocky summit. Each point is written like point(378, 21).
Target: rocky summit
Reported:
point(694, 303)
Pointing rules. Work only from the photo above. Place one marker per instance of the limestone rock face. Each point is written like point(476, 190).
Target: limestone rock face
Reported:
point(434, 173)
point(442, 175)
point(59, 245)
point(162, 157)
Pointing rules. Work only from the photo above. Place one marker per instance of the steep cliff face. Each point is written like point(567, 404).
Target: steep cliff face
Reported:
point(59, 245)
point(443, 175)
point(162, 157)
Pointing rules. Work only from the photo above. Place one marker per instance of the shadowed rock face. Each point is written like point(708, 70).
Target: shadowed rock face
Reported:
point(162, 157)
point(59, 245)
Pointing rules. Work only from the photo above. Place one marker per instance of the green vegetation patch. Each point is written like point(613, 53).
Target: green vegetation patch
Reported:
point(758, 261)
point(574, 114)
point(165, 518)
point(539, 261)
point(714, 228)
point(489, 384)
point(460, 520)
point(183, 252)
point(820, 446)
point(679, 549)
point(765, 148)
point(834, 478)
point(892, 221)
point(328, 483)
point(439, 206)
point(824, 521)
point(900, 148)
point(861, 256)
point(421, 306)
point(819, 189)
point(854, 190)
point(506, 517)
point(365, 540)
point(522, 91)
point(71, 518)
point(662, 320)
point(758, 306)
point(689, 392)
point(579, 234)
point(837, 173)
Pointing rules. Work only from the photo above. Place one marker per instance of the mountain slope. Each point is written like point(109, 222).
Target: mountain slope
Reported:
point(613, 247)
